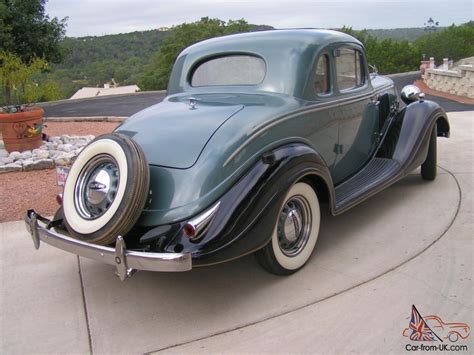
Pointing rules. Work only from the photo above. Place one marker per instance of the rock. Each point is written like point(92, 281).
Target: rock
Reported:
point(41, 154)
point(2, 144)
point(25, 162)
point(65, 159)
point(10, 167)
point(53, 154)
point(26, 154)
point(81, 143)
point(15, 155)
point(52, 145)
point(67, 147)
point(38, 165)
point(3, 153)
point(65, 138)
point(6, 160)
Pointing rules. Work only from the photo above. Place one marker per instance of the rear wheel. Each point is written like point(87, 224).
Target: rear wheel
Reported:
point(453, 337)
point(429, 168)
point(295, 233)
point(106, 189)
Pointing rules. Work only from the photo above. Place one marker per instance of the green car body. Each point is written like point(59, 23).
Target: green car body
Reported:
point(257, 131)
point(197, 154)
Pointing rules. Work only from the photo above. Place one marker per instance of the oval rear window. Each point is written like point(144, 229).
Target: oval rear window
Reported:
point(230, 70)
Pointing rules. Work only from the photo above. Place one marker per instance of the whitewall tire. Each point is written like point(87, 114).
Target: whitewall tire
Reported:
point(106, 189)
point(295, 233)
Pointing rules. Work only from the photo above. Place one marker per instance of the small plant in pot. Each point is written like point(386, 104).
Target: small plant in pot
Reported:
point(21, 124)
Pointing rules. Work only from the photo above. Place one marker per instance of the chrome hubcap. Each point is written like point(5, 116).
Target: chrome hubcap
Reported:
point(294, 226)
point(96, 186)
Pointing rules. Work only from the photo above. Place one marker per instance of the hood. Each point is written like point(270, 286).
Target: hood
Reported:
point(173, 133)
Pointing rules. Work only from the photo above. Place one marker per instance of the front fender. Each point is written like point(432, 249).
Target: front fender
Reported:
point(418, 121)
point(248, 211)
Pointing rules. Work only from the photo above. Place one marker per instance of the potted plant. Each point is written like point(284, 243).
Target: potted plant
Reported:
point(20, 124)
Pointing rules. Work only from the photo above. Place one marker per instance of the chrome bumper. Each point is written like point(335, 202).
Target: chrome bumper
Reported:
point(125, 261)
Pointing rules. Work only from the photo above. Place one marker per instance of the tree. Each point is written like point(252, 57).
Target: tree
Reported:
point(454, 42)
point(15, 77)
point(157, 74)
point(387, 55)
point(28, 40)
point(27, 32)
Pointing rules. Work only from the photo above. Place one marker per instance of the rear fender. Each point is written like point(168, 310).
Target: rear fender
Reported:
point(247, 213)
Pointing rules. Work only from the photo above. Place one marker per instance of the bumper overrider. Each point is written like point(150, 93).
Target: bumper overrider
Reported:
point(127, 262)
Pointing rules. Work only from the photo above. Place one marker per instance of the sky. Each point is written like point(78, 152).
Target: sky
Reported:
point(100, 17)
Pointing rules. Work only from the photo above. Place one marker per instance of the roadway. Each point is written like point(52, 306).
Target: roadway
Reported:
point(127, 105)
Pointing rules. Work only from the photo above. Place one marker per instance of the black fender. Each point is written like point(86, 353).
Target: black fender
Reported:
point(248, 212)
point(418, 121)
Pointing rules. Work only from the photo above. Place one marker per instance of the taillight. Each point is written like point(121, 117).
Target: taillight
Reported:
point(189, 230)
point(196, 227)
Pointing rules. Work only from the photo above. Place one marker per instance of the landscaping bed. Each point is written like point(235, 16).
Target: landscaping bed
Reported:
point(37, 189)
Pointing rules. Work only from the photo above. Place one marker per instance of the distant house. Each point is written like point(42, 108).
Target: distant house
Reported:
point(106, 90)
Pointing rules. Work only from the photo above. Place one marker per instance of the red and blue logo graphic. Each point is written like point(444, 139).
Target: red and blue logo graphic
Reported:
point(433, 328)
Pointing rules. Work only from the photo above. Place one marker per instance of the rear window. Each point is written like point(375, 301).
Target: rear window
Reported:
point(230, 70)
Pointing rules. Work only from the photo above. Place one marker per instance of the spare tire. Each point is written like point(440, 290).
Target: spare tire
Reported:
point(106, 189)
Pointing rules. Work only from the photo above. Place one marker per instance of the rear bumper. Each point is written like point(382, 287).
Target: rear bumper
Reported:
point(125, 261)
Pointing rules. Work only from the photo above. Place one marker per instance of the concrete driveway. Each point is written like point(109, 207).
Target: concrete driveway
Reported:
point(411, 244)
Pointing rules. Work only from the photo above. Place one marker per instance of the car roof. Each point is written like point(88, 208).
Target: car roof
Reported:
point(289, 56)
point(295, 38)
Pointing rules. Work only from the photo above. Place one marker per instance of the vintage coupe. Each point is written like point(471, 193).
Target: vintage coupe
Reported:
point(256, 131)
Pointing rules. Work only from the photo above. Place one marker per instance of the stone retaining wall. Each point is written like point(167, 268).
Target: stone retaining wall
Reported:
point(459, 81)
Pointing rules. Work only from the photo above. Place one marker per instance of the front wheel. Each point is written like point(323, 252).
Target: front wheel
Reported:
point(428, 168)
point(295, 233)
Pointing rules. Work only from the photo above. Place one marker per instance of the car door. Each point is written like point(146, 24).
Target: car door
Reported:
point(323, 131)
point(356, 114)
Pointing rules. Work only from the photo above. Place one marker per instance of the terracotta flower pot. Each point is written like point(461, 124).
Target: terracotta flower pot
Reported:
point(22, 130)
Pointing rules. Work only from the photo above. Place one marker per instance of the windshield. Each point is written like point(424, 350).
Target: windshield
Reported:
point(230, 70)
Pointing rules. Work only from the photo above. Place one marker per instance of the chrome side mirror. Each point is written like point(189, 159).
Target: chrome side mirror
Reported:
point(411, 93)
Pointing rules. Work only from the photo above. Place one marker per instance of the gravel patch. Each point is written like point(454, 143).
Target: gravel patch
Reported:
point(79, 128)
point(20, 191)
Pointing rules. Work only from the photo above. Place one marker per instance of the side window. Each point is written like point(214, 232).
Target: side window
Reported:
point(321, 79)
point(349, 69)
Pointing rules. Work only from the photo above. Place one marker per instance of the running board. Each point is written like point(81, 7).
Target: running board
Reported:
point(372, 178)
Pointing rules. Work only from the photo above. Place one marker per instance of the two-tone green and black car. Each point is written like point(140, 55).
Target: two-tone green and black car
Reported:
point(256, 131)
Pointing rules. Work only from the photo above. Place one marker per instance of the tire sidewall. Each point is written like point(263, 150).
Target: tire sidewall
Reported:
point(296, 262)
point(74, 220)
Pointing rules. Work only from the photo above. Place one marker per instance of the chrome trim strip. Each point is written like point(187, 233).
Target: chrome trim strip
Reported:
point(202, 222)
point(126, 261)
point(314, 108)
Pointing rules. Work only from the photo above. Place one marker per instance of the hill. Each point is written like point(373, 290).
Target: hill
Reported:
point(95, 60)
point(399, 34)
point(92, 61)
